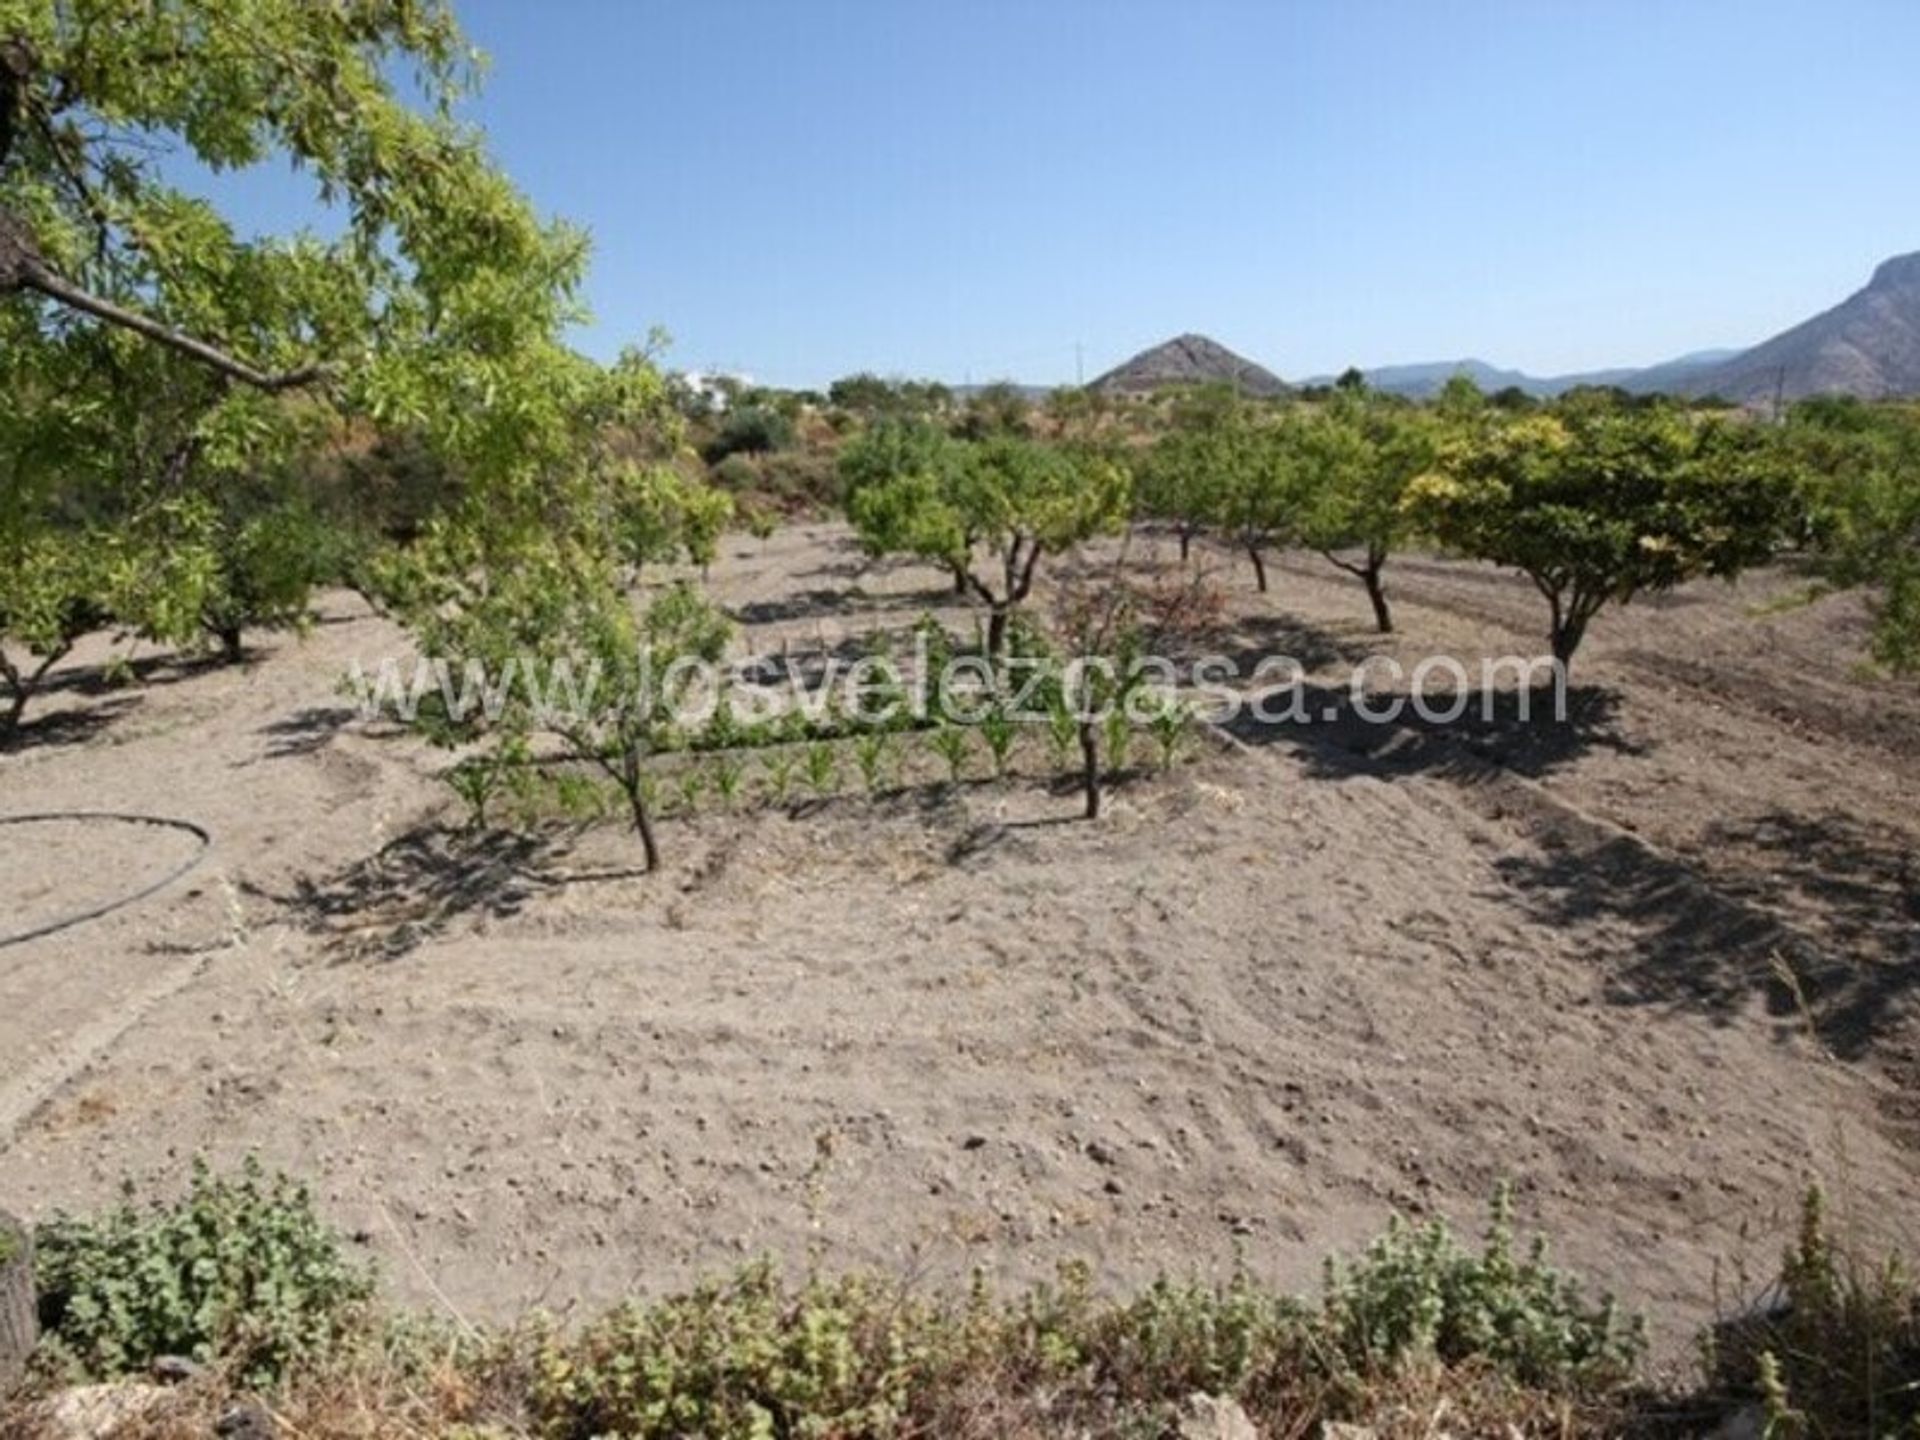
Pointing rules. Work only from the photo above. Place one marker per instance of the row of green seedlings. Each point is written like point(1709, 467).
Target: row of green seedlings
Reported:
point(881, 762)
point(805, 753)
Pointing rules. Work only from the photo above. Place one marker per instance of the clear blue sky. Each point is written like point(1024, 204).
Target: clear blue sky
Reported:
point(804, 188)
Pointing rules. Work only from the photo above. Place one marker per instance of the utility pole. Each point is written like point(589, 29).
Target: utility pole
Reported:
point(1079, 366)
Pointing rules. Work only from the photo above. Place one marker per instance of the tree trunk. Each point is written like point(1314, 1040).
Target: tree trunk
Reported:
point(233, 644)
point(1377, 593)
point(1186, 544)
point(1259, 568)
point(642, 820)
point(997, 634)
point(1090, 767)
point(19, 1318)
point(960, 580)
point(1567, 635)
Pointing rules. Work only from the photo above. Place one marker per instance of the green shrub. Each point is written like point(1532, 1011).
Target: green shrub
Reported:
point(736, 473)
point(750, 430)
point(240, 1270)
point(1416, 1292)
point(747, 1358)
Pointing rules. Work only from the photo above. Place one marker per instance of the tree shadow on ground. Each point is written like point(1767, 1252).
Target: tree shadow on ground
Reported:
point(1853, 888)
point(1530, 732)
point(1280, 638)
point(66, 727)
point(146, 672)
point(417, 887)
point(825, 604)
point(305, 731)
point(1673, 936)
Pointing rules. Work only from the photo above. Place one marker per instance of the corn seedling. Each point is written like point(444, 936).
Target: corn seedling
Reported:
point(951, 744)
point(822, 768)
point(1169, 728)
point(997, 730)
point(1063, 730)
point(782, 765)
point(1119, 730)
point(872, 752)
point(725, 773)
point(691, 784)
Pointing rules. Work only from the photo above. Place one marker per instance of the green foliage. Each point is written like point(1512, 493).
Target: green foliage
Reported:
point(822, 768)
point(1169, 725)
point(273, 549)
point(997, 729)
point(1862, 466)
point(569, 659)
point(158, 358)
point(1597, 506)
point(1196, 460)
point(952, 743)
point(987, 509)
point(873, 754)
point(240, 1270)
point(727, 773)
point(750, 430)
point(1364, 451)
point(747, 1358)
point(1417, 1293)
point(781, 767)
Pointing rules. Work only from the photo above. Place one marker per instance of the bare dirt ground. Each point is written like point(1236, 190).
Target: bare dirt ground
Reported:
point(1267, 1000)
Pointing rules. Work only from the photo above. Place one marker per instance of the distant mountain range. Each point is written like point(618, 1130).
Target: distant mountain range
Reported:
point(1423, 382)
point(1868, 345)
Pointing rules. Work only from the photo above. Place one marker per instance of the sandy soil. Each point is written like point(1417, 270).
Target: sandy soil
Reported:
point(1268, 999)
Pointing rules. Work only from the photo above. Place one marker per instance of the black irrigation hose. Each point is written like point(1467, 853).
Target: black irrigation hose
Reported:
point(160, 822)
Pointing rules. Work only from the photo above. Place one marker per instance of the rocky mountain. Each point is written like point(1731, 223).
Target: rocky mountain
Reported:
point(1867, 345)
point(1189, 360)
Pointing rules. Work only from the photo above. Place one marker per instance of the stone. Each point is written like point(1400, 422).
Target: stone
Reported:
point(1214, 1417)
point(94, 1412)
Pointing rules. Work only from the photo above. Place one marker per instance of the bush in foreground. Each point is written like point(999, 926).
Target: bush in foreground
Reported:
point(1417, 1332)
point(240, 1272)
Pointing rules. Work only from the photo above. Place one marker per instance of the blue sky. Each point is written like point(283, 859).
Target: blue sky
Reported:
point(971, 188)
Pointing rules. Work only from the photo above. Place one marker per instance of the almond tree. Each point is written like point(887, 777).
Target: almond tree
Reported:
point(154, 352)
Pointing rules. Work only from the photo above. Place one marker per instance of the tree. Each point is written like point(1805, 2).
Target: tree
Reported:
point(571, 662)
point(1196, 463)
point(1270, 470)
point(1364, 450)
point(750, 430)
point(1109, 620)
point(1598, 506)
point(1862, 464)
point(272, 549)
point(153, 352)
point(987, 510)
point(996, 409)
